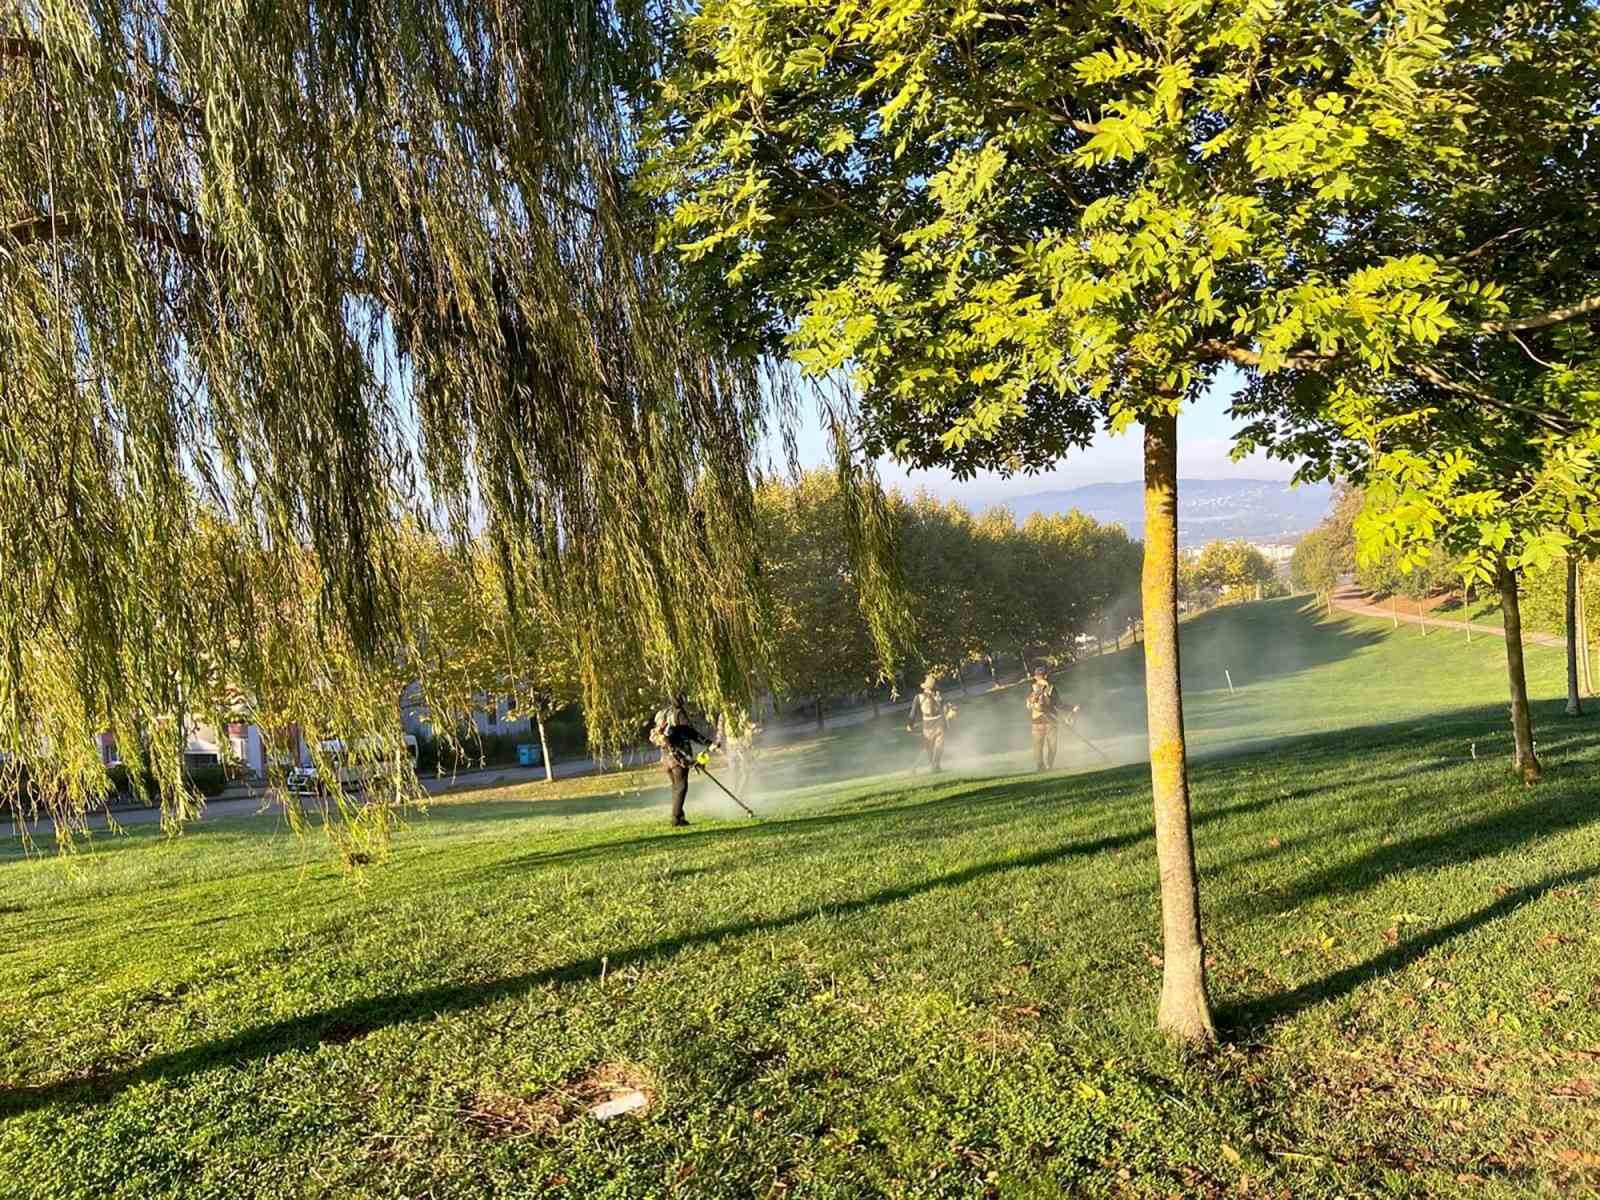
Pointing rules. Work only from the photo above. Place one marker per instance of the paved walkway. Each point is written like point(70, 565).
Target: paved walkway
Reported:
point(233, 804)
point(1353, 601)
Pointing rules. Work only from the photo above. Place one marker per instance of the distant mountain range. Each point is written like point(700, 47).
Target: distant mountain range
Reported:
point(1259, 510)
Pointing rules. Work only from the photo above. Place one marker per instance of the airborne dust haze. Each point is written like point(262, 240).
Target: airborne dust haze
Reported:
point(990, 733)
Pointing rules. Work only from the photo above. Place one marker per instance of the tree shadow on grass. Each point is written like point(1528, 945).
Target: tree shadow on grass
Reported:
point(1487, 837)
point(1277, 638)
point(1249, 1017)
point(346, 1022)
point(992, 802)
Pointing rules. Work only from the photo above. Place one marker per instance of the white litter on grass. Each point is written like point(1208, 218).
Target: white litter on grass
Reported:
point(629, 1101)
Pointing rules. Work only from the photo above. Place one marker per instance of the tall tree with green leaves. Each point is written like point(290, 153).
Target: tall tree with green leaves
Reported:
point(1502, 501)
point(1485, 451)
point(941, 565)
point(821, 641)
point(1234, 570)
point(1010, 225)
point(1316, 565)
point(276, 282)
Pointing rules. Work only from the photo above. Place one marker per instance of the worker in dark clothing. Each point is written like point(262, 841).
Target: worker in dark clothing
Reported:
point(676, 735)
point(1045, 715)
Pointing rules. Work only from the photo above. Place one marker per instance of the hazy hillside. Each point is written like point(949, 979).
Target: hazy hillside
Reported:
point(1262, 510)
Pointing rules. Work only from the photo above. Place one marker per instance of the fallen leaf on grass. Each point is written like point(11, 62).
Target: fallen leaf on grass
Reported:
point(1574, 1089)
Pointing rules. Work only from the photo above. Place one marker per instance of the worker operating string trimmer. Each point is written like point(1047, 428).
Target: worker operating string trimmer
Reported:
point(675, 735)
point(1046, 718)
point(700, 765)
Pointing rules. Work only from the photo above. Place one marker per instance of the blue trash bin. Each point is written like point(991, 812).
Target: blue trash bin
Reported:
point(527, 755)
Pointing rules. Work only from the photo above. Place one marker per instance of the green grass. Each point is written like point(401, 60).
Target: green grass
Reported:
point(894, 986)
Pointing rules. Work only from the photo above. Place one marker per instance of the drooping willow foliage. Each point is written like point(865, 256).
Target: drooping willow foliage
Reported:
point(287, 291)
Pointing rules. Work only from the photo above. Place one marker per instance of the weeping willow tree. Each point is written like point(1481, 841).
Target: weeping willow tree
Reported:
point(282, 285)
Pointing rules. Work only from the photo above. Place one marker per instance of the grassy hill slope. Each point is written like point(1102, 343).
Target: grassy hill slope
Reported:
point(896, 986)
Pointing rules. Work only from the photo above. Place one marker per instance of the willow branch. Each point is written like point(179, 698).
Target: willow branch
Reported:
point(43, 227)
point(20, 48)
point(25, 49)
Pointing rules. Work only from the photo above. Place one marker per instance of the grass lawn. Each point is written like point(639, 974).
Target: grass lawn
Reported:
point(896, 985)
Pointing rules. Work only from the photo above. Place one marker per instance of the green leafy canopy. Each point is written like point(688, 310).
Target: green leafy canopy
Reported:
point(1008, 223)
point(279, 284)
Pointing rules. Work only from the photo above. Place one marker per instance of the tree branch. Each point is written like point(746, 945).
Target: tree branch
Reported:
point(1556, 316)
point(44, 227)
point(1215, 349)
point(1487, 245)
point(1048, 114)
point(1435, 378)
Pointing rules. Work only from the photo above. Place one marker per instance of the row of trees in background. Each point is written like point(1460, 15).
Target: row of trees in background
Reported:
point(976, 586)
point(1226, 573)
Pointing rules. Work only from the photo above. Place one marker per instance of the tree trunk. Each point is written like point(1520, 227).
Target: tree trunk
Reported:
point(1574, 694)
point(819, 712)
point(1527, 763)
point(544, 748)
point(1587, 661)
point(874, 704)
point(1185, 1010)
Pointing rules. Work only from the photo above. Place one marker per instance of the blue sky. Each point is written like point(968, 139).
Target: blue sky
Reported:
point(1205, 436)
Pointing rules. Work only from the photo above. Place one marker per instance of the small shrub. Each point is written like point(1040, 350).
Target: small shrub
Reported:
point(209, 781)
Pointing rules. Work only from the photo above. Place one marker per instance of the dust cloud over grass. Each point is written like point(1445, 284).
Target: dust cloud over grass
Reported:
point(1293, 672)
